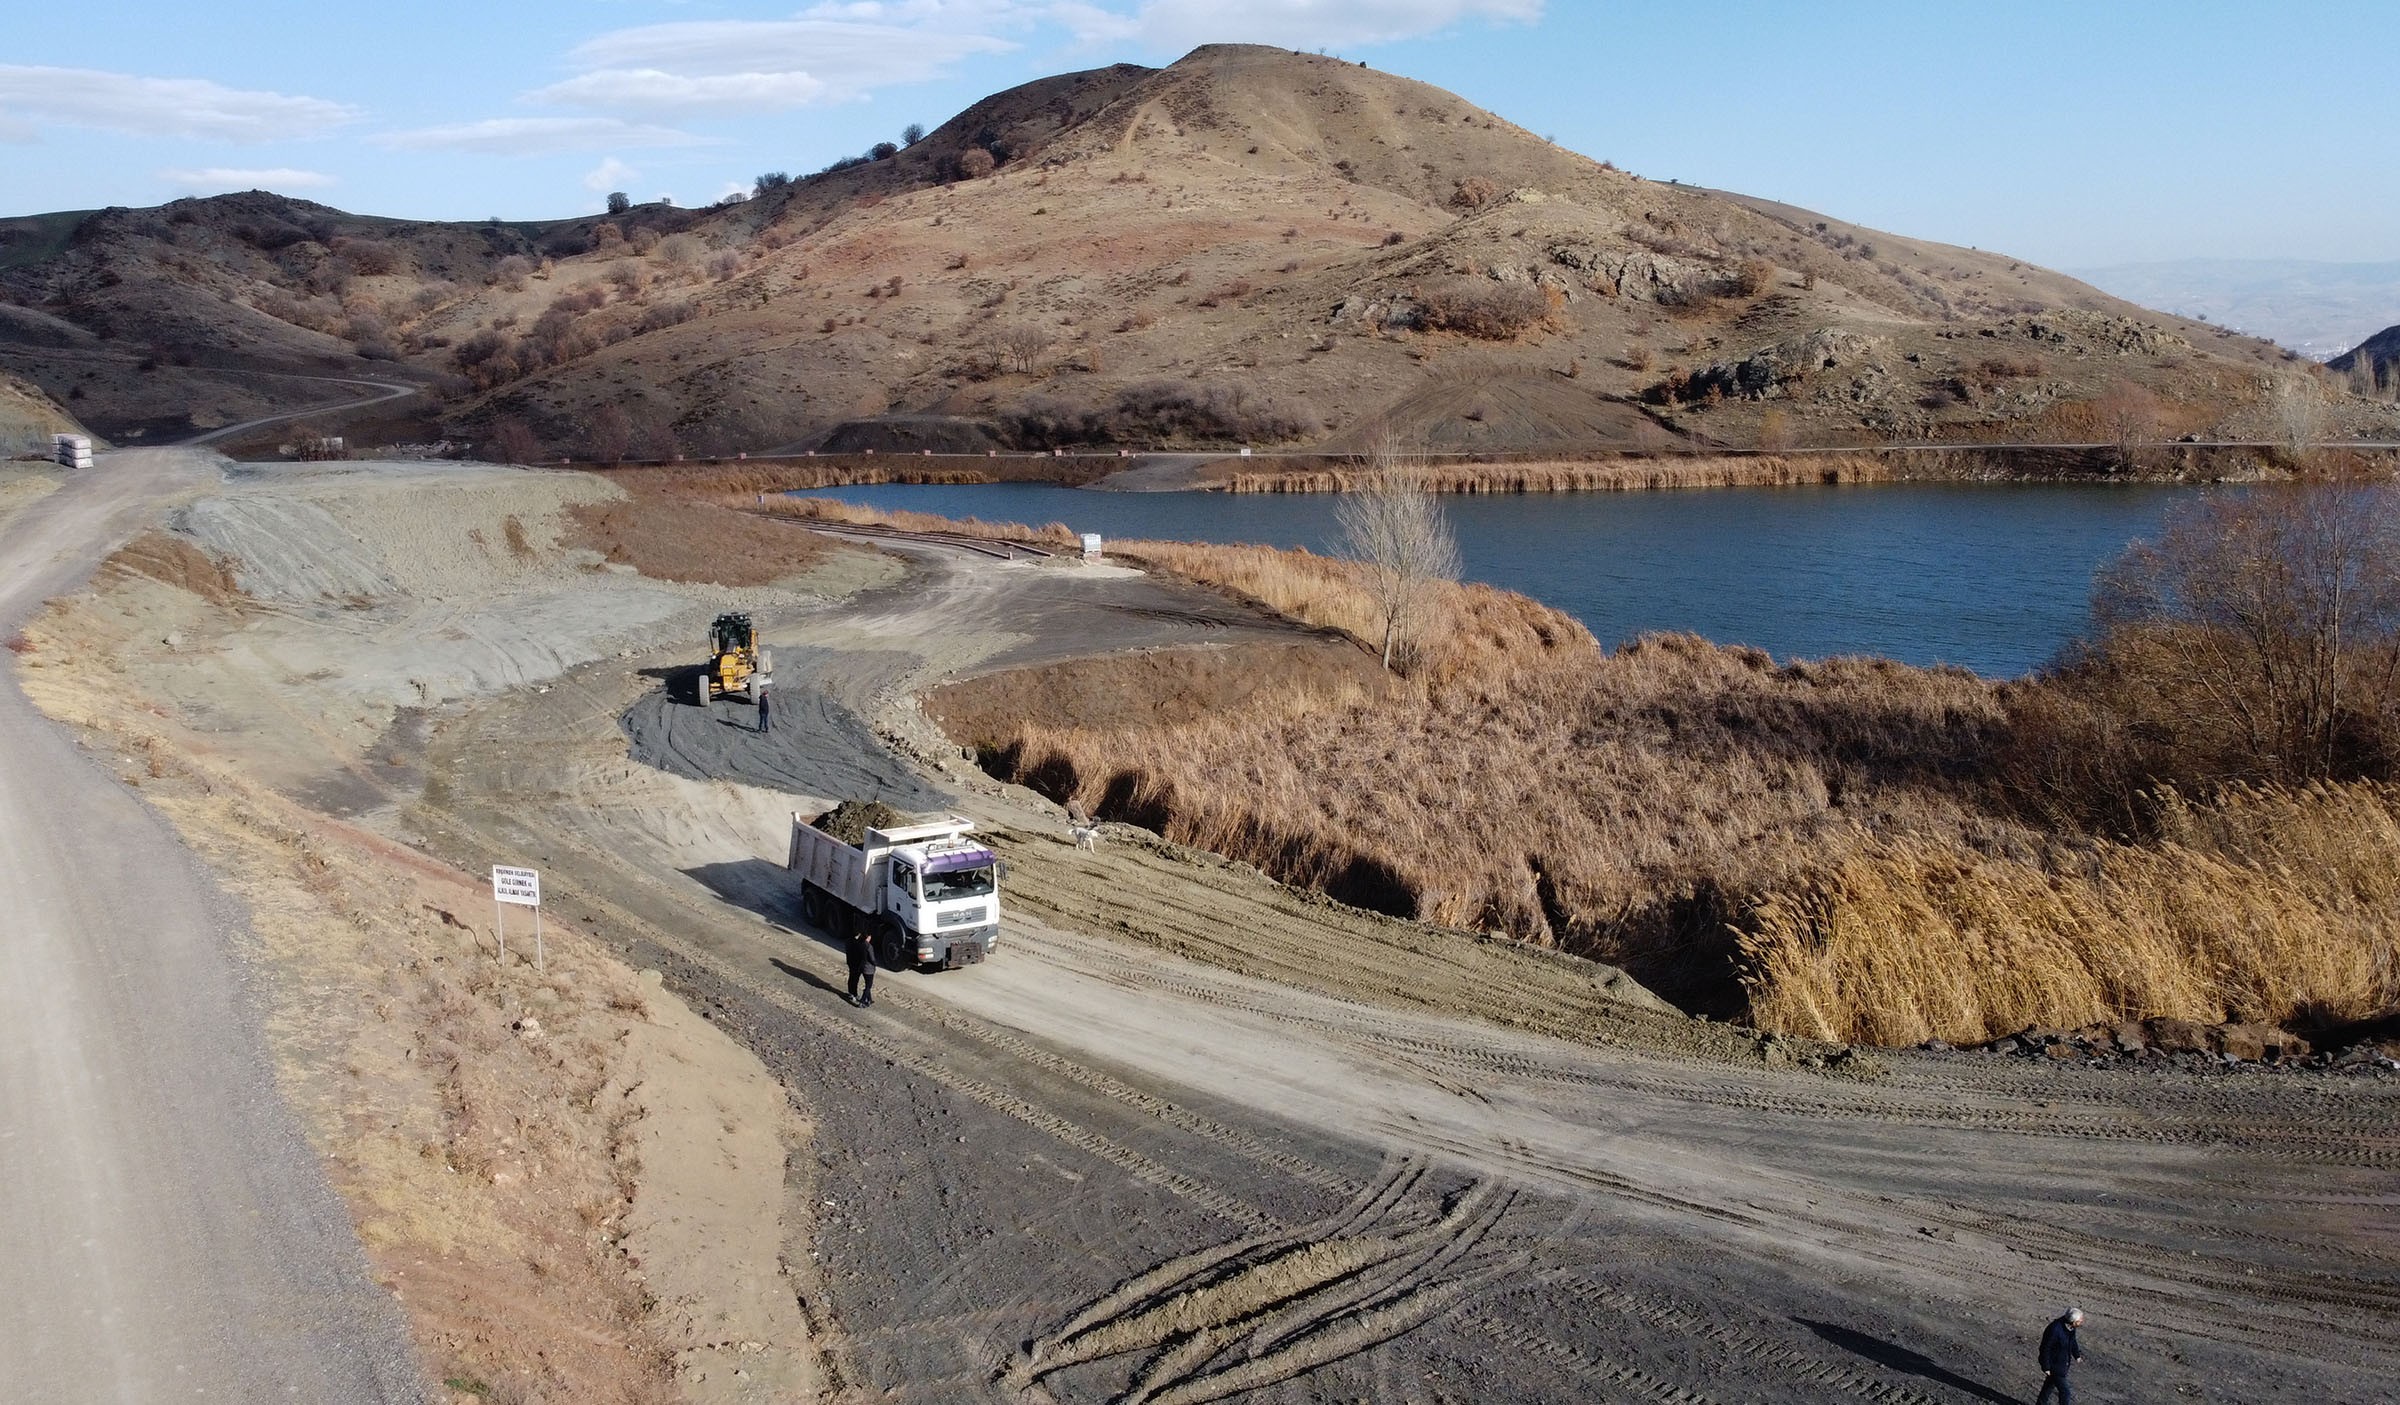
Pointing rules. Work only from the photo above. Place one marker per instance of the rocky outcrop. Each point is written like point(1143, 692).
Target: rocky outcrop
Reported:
point(1790, 363)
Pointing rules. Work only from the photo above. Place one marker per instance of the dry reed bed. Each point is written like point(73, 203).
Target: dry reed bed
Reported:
point(1624, 475)
point(2266, 906)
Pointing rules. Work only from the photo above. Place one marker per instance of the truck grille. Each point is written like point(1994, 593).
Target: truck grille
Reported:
point(966, 917)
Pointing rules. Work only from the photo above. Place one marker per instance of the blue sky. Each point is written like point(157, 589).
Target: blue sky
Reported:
point(2069, 133)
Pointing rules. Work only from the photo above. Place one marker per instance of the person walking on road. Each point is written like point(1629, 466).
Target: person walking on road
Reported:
point(764, 699)
point(2060, 1352)
point(860, 948)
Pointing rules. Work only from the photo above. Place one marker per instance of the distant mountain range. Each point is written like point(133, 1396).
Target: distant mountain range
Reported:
point(2317, 309)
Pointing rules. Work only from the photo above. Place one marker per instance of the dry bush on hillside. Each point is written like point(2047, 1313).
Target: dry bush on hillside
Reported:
point(1021, 347)
point(1474, 193)
point(1486, 310)
point(1753, 277)
point(975, 164)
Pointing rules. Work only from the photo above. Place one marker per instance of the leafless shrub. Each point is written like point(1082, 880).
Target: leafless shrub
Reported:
point(975, 164)
point(1485, 310)
point(1400, 534)
point(1021, 346)
point(513, 441)
point(1753, 277)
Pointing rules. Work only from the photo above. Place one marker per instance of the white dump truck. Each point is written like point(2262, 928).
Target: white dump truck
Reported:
point(928, 894)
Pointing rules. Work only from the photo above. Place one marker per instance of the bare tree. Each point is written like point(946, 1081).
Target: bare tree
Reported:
point(2264, 631)
point(2299, 414)
point(612, 434)
point(2129, 416)
point(1396, 528)
point(913, 133)
point(1021, 346)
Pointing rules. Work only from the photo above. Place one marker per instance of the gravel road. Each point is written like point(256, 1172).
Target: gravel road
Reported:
point(169, 1234)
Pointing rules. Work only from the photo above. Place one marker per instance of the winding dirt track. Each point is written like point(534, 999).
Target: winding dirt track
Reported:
point(168, 1234)
point(1190, 1136)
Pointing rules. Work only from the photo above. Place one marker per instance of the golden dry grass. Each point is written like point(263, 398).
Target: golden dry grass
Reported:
point(2267, 906)
point(1826, 849)
point(1612, 475)
point(1611, 805)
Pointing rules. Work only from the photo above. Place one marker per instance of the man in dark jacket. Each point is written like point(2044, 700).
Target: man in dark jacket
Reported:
point(2060, 1352)
point(860, 948)
point(764, 701)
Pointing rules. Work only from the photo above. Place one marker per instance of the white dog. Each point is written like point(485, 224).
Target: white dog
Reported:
point(1087, 836)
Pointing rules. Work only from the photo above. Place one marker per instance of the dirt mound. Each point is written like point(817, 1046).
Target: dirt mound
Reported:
point(173, 560)
point(850, 820)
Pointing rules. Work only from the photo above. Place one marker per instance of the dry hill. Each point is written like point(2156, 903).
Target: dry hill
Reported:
point(1251, 245)
point(2372, 366)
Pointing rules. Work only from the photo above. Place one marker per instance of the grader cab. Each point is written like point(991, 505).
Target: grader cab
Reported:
point(738, 666)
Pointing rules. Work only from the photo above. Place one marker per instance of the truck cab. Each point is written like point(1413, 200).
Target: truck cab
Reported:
point(945, 898)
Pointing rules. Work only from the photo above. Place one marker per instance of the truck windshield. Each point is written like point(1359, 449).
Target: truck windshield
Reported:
point(965, 883)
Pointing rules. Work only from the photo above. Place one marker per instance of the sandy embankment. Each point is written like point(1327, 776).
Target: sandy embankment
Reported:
point(578, 1187)
point(22, 485)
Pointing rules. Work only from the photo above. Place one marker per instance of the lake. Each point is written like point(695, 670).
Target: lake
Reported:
point(1991, 577)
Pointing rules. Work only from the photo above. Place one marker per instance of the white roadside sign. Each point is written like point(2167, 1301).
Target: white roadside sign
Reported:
point(523, 888)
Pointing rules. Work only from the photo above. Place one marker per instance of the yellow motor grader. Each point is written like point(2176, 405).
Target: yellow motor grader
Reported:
point(737, 664)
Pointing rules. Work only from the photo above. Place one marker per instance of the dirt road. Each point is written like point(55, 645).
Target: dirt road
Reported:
point(1190, 1135)
point(169, 1234)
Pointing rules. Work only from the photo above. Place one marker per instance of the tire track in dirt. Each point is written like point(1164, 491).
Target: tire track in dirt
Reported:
point(2357, 1139)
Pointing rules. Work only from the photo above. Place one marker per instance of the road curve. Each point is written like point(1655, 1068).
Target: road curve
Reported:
point(169, 1233)
point(388, 390)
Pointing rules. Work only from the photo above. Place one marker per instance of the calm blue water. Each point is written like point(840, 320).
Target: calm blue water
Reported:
point(1992, 577)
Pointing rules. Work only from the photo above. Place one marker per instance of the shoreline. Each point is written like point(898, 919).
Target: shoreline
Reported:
point(1607, 472)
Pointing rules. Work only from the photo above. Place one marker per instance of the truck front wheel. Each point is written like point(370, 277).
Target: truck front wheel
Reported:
point(891, 945)
point(812, 907)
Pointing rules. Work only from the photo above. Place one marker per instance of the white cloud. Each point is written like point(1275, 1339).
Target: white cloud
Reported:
point(536, 136)
point(610, 174)
point(771, 65)
point(162, 107)
point(1297, 24)
point(217, 178)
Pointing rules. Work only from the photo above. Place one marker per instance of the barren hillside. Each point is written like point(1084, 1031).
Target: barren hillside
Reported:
point(1250, 246)
point(28, 418)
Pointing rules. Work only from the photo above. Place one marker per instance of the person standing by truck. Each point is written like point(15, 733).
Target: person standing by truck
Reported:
point(860, 949)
